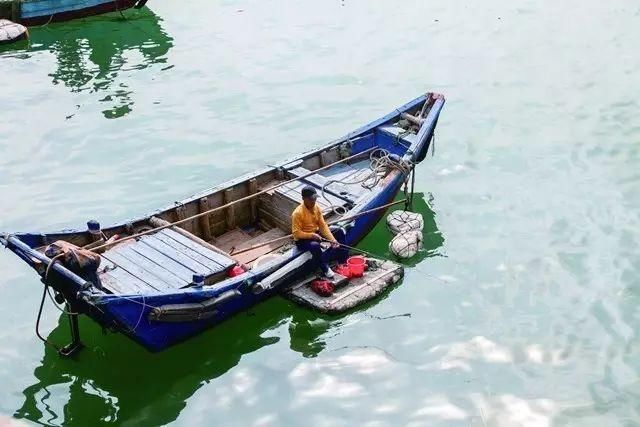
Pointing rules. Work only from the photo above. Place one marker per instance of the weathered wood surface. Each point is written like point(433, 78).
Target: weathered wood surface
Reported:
point(249, 256)
point(167, 276)
point(205, 225)
point(253, 203)
point(184, 273)
point(231, 239)
point(177, 256)
point(153, 282)
point(162, 262)
point(158, 222)
point(223, 261)
point(231, 209)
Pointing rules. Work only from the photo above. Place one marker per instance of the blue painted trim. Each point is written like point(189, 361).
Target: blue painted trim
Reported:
point(31, 9)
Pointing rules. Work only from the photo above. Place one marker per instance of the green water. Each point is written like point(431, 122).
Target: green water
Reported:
point(522, 310)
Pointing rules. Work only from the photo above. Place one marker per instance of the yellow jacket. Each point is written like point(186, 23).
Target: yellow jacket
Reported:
point(304, 223)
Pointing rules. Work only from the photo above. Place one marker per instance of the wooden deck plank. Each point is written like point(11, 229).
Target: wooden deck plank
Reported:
point(339, 191)
point(249, 256)
point(158, 257)
point(220, 259)
point(177, 256)
point(231, 239)
point(118, 280)
point(116, 285)
point(159, 270)
point(137, 271)
point(211, 265)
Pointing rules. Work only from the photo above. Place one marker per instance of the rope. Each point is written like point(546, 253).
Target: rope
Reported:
point(144, 305)
point(53, 261)
point(43, 339)
point(55, 304)
point(115, 3)
point(47, 23)
point(380, 163)
point(45, 292)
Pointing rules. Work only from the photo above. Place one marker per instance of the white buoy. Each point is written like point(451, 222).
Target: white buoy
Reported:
point(407, 226)
point(403, 221)
point(406, 245)
point(12, 32)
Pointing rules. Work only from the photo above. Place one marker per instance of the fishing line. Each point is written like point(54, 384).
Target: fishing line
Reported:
point(371, 254)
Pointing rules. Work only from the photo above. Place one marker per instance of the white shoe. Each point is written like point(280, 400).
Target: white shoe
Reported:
point(329, 274)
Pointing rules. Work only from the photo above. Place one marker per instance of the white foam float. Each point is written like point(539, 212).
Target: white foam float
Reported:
point(12, 32)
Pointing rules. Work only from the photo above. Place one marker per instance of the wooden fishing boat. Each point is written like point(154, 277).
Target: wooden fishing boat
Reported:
point(38, 12)
point(173, 273)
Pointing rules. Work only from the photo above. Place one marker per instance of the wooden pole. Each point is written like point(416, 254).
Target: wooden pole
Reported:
point(159, 222)
point(205, 225)
point(253, 203)
point(249, 197)
point(230, 210)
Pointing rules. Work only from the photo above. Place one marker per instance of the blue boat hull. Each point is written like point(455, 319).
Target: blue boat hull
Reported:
point(132, 314)
point(38, 12)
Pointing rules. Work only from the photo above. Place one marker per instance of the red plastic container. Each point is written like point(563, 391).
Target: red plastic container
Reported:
point(344, 270)
point(236, 271)
point(356, 266)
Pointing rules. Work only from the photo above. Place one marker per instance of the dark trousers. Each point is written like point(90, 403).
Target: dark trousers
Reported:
point(322, 258)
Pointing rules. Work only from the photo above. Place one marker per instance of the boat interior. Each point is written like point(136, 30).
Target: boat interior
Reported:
point(214, 243)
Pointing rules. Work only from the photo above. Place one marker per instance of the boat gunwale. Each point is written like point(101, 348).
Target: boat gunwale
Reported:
point(242, 178)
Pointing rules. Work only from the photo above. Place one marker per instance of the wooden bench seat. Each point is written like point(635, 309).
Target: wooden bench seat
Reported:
point(160, 262)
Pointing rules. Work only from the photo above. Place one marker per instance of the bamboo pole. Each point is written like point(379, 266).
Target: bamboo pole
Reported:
point(226, 205)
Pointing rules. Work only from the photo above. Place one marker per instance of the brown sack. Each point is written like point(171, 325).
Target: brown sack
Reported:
point(74, 257)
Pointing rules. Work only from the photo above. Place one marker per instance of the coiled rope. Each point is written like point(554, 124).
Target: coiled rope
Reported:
point(381, 162)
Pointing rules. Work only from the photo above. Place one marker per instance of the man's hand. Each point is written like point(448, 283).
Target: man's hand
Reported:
point(335, 245)
point(316, 236)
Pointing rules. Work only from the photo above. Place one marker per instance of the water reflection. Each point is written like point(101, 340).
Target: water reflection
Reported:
point(92, 53)
point(377, 241)
point(114, 380)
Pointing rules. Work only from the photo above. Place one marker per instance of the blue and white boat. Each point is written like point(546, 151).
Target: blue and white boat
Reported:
point(169, 275)
point(38, 12)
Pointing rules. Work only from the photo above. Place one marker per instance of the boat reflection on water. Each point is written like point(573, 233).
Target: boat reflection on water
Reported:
point(113, 380)
point(92, 53)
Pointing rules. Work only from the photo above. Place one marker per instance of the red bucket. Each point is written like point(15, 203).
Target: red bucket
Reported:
point(356, 266)
point(236, 271)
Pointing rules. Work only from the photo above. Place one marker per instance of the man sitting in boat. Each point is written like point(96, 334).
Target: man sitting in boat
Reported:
point(309, 228)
